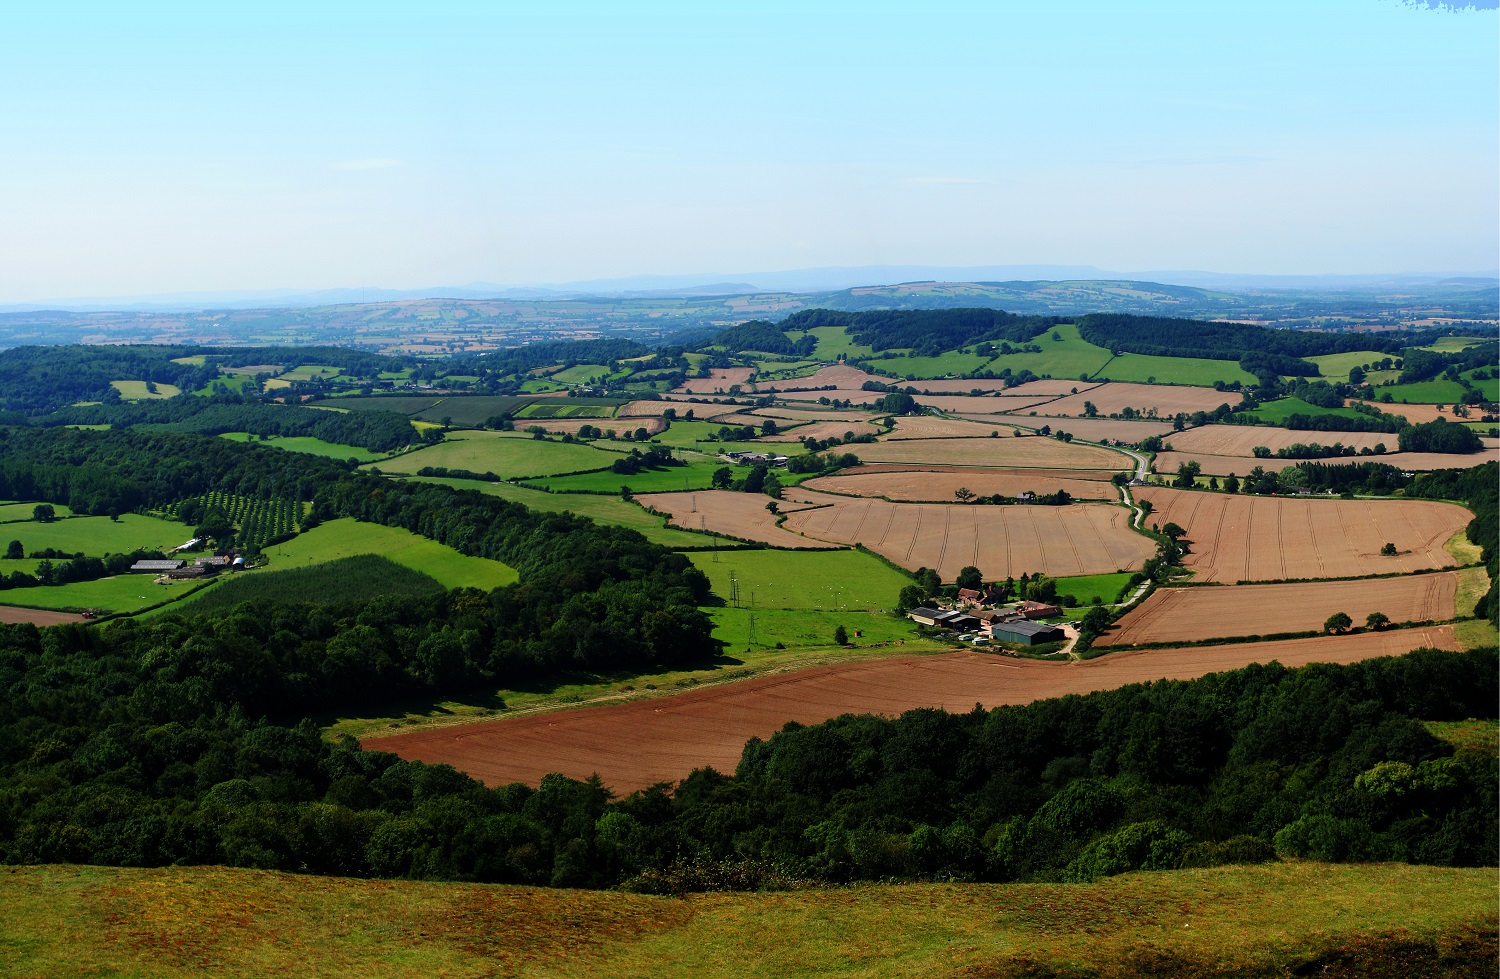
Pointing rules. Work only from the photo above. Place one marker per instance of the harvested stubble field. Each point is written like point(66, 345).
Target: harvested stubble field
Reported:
point(815, 414)
point(740, 515)
point(823, 430)
point(1082, 539)
point(933, 485)
point(1196, 614)
point(1052, 387)
point(1416, 414)
point(1031, 452)
point(634, 745)
point(837, 375)
point(856, 396)
point(1240, 440)
point(722, 379)
point(1221, 465)
point(646, 409)
point(1092, 429)
point(1116, 396)
point(958, 404)
point(934, 427)
point(1259, 538)
point(955, 385)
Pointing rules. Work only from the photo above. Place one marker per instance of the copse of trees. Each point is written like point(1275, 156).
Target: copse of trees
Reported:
point(1259, 345)
point(1439, 435)
point(1478, 488)
point(763, 336)
point(378, 431)
point(928, 332)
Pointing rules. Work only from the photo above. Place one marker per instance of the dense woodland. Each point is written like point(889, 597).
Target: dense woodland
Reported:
point(378, 431)
point(926, 332)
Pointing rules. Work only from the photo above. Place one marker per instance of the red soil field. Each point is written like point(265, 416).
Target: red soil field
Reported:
point(1031, 452)
point(637, 744)
point(930, 486)
point(742, 515)
point(1259, 538)
point(10, 615)
point(722, 379)
point(1091, 429)
point(1240, 440)
point(1081, 539)
point(1196, 614)
point(1217, 465)
point(1116, 396)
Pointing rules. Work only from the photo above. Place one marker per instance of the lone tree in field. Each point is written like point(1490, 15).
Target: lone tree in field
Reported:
point(1376, 621)
point(1338, 622)
point(14, 551)
point(43, 513)
point(1389, 550)
point(970, 577)
point(841, 636)
point(773, 508)
point(963, 494)
point(1172, 531)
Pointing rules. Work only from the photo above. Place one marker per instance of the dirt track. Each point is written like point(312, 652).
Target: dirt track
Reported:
point(636, 744)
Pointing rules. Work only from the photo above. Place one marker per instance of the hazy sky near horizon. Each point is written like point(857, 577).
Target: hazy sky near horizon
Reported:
point(181, 147)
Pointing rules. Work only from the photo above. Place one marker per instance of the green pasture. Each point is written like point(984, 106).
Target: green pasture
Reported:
point(833, 342)
point(122, 593)
point(1070, 356)
point(693, 476)
point(950, 363)
point(309, 372)
point(234, 383)
point(539, 385)
point(1490, 387)
point(196, 360)
point(22, 511)
point(475, 409)
point(832, 581)
point(1435, 392)
point(1278, 411)
point(1086, 587)
point(402, 404)
point(350, 579)
point(579, 373)
point(506, 454)
point(347, 537)
point(98, 536)
point(1199, 371)
point(308, 445)
point(136, 390)
point(1337, 366)
point(600, 509)
point(546, 409)
point(806, 628)
point(1451, 344)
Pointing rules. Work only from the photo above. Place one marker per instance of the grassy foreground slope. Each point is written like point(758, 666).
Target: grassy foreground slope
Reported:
point(1273, 920)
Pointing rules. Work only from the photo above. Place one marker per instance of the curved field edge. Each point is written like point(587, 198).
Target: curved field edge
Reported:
point(1274, 919)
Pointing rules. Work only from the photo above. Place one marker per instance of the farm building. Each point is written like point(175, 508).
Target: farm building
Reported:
point(924, 615)
point(1037, 610)
point(969, 596)
point(156, 566)
point(943, 618)
point(1025, 633)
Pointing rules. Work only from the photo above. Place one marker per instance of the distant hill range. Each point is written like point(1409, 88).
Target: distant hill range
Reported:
point(429, 322)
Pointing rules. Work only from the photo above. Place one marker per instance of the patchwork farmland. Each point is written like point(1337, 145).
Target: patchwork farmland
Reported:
point(940, 485)
point(1221, 465)
point(1031, 452)
point(1240, 440)
point(1243, 538)
point(1116, 396)
point(740, 515)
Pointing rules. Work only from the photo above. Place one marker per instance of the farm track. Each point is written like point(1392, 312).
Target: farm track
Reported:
point(635, 744)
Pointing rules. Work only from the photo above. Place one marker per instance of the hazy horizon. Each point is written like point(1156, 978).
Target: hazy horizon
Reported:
point(187, 150)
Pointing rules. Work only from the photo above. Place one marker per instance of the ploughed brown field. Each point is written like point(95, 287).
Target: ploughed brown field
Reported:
point(1054, 387)
point(646, 409)
point(1260, 538)
point(1031, 452)
point(10, 615)
point(1195, 614)
point(838, 375)
point(1217, 465)
point(822, 430)
point(933, 427)
point(1002, 541)
point(637, 744)
point(987, 405)
point(1241, 440)
point(1091, 429)
point(932, 486)
point(742, 515)
point(721, 380)
point(1116, 396)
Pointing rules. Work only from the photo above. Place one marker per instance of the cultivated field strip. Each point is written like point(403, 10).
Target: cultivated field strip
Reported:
point(636, 744)
point(987, 405)
point(1001, 541)
point(935, 427)
point(1257, 538)
point(815, 414)
point(1222, 465)
point(1116, 396)
point(929, 486)
point(722, 379)
point(1031, 452)
point(1240, 440)
point(1090, 429)
point(1196, 614)
point(741, 515)
point(823, 430)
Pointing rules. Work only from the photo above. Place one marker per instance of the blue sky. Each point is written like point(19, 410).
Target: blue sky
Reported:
point(182, 148)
